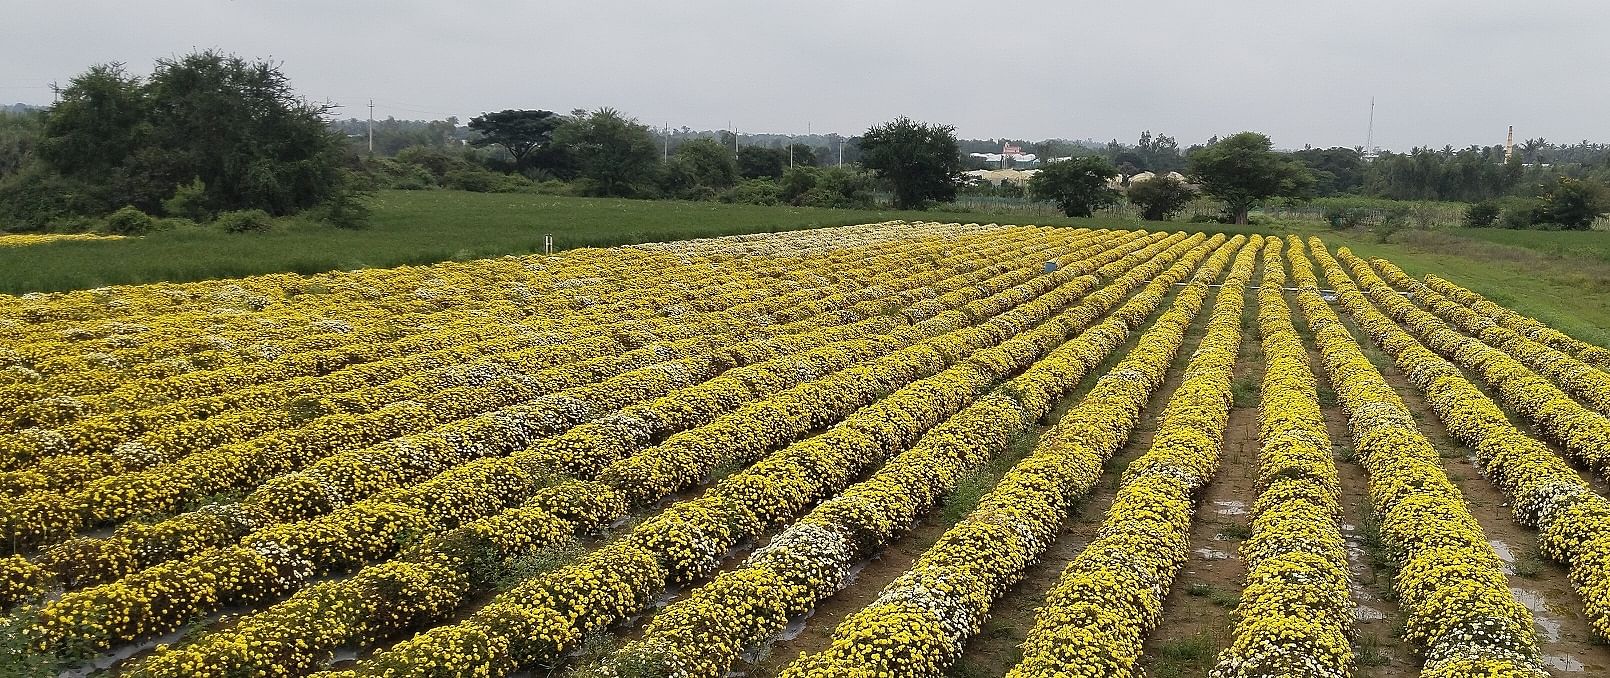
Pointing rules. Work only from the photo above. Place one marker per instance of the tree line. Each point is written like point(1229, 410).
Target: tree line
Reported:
point(216, 138)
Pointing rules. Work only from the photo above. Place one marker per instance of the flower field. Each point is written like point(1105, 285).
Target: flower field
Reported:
point(895, 449)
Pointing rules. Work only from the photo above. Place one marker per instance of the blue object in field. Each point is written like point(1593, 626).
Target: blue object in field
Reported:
point(1050, 266)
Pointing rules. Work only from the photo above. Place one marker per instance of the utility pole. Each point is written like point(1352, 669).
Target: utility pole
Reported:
point(55, 92)
point(734, 139)
point(790, 153)
point(371, 127)
point(841, 151)
point(666, 154)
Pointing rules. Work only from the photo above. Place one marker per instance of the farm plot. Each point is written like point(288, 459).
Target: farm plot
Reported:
point(897, 449)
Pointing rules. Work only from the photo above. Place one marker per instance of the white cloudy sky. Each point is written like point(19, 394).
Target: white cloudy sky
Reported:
point(1441, 71)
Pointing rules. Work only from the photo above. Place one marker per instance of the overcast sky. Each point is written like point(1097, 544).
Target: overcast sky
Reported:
point(1441, 71)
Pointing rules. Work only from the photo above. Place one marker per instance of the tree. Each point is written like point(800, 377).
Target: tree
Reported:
point(1078, 186)
point(19, 136)
point(698, 170)
point(1336, 170)
point(1573, 204)
point(238, 127)
point(1242, 171)
point(1161, 198)
point(517, 131)
point(97, 124)
point(229, 125)
point(803, 154)
point(712, 163)
point(615, 154)
point(920, 161)
point(759, 162)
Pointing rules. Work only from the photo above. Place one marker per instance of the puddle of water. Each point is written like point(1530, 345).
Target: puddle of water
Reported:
point(1547, 624)
point(1561, 662)
point(1505, 553)
point(1211, 554)
point(1230, 508)
point(1366, 613)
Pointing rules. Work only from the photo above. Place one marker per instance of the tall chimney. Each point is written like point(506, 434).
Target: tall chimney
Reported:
point(1509, 144)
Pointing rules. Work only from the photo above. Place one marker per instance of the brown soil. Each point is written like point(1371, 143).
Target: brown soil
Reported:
point(1197, 614)
point(1378, 647)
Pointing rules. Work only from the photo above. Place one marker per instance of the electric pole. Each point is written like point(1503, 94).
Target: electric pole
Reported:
point(371, 127)
point(666, 154)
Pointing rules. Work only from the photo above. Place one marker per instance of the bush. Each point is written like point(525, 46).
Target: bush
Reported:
point(826, 187)
point(754, 192)
point(1483, 214)
point(475, 181)
point(129, 221)
point(1160, 198)
point(347, 209)
point(1078, 186)
point(1573, 204)
point(189, 201)
point(1517, 216)
point(244, 221)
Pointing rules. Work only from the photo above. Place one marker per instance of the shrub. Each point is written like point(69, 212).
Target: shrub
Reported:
point(475, 181)
point(129, 221)
point(1161, 198)
point(189, 201)
point(1483, 214)
point(244, 221)
point(1574, 204)
point(1517, 216)
point(1078, 186)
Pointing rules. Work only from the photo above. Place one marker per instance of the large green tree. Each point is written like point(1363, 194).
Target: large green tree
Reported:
point(1078, 186)
point(614, 154)
point(517, 131)
point(229, 130)
point(1242, 171)
point(920, 161)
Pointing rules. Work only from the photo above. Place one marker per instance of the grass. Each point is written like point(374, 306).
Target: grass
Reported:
point(1561, 278)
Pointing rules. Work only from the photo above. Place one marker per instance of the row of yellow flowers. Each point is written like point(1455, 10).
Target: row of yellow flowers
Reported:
point(28, 239)
point(1586, 382)
point(542, 618)
point(104, 385)
point(109, 311)
point(1096, 618)
point(1295, 617)
point(283, 639)
point(360, 532)
point(1573, 521)
point(1456, 603)
point(1582, 432)
point(348, 477)
point(40, 515)
point(1531, 327)
point(95, 446)
point(922, 621)
point(706, 633)
point(374, 320)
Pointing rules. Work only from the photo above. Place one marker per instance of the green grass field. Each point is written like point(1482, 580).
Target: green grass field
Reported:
point(1560, 278)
